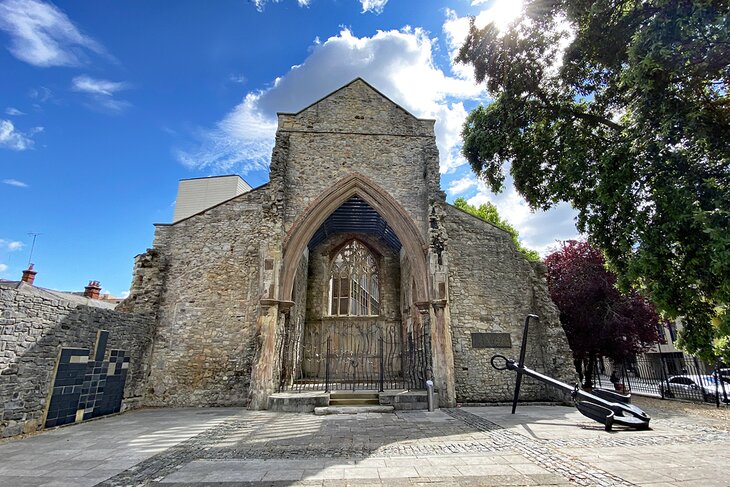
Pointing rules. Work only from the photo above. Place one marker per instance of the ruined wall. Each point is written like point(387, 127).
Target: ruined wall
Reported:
point(492, 289)
point(356, 129)
point(204, 345)
point(35, 324)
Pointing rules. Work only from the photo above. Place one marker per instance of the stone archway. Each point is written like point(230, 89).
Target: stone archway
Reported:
point(391, 211)
point(355, 200)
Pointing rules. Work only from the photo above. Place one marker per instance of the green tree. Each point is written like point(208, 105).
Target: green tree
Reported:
point(630, 123)
point(488, 213)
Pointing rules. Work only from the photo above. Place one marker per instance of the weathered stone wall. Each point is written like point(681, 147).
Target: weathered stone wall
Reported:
point(492, 289)
point(357, 130)
point(205, 341)
point(35, 324)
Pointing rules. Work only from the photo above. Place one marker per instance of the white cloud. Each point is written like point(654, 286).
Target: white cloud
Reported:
point(237, 78)
point(398, 63)
point(3, 267)
point(11, 245)
point(41, 94)
point(13, 112)
point(87, 84)
point(375, 6)
point(124, 294)
point(15, 182)
point(539, 230)
point(462, 185)
point(11, 138)
point(42, 35)
point(102, 92)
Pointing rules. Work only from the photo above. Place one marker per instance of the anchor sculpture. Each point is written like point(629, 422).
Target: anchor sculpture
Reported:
point(606, 407)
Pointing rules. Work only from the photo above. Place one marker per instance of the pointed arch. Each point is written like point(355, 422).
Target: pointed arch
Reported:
point(392, 212)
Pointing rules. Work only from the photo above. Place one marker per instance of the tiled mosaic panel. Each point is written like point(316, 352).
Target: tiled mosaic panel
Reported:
point(87, 386)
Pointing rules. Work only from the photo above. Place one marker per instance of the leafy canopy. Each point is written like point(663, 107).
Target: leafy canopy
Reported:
point(598, 319)
point(488, 213)
point(621, 108)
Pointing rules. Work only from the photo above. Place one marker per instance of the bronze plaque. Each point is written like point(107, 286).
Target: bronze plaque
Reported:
point(491, 340)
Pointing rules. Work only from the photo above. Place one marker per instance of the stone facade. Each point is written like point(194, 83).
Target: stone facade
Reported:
point(492, 289)
point(235, 288)
point(232, 304)
point(35, 324)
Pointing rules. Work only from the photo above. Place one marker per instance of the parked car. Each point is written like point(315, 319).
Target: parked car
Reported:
point(694, 387)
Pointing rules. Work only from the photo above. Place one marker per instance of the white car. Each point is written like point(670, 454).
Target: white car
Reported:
point(695, 387)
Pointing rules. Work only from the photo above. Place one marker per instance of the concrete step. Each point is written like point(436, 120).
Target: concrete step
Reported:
point(321, 411)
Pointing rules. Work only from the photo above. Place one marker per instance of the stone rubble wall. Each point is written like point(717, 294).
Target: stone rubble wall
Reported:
point(492, 289)
point(34, 325)
point(209, 303)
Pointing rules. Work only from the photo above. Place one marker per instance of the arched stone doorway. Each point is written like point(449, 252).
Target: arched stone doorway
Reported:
point(355, 322)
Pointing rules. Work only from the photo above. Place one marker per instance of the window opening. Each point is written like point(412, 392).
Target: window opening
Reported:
point(354, 289)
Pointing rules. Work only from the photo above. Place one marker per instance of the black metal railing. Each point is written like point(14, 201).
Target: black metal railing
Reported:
point(673, 375)
point(363, 358)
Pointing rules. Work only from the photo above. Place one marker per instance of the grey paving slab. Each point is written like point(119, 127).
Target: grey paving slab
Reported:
point(542, 445)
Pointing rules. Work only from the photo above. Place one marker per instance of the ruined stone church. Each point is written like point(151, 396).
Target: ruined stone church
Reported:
point(348, 269)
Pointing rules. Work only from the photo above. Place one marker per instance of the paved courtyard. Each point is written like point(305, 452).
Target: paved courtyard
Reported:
point(540, 445)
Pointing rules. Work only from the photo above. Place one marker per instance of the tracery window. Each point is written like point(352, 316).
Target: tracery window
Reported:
point(354, 287)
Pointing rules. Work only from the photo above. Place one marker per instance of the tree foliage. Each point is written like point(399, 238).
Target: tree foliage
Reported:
point(598, 319)
point(488, 213)
point(621, 108)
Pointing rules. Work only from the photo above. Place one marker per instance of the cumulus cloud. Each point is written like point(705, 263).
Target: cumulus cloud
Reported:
point(3, 267)
point(375, 6)
point(11, 138)
point(101, 92)
point(42, 35)
point(15, 182)
point(11, 245)
point(462, 185)
point(398, 63)
point(539, 230)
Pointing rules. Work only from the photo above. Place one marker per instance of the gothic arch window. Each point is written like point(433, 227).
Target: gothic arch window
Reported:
point(354, 286)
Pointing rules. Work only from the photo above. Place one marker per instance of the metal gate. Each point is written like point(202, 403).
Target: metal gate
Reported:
point(360, 356)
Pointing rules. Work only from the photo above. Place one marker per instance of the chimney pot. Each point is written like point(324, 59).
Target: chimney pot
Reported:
point(29, 275)
point(92, 290)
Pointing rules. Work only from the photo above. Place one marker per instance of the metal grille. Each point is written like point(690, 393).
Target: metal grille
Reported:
point(363, 356)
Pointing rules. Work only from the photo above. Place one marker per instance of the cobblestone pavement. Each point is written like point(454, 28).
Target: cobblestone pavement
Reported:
point(540, 445)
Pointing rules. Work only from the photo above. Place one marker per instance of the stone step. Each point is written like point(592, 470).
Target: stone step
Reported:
point(321, 411)
point(354, 395)
point(353, 401)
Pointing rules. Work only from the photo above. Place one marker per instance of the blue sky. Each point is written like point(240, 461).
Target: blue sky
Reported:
point(105, 105)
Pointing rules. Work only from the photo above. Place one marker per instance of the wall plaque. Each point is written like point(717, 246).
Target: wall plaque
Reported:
point(491, 340)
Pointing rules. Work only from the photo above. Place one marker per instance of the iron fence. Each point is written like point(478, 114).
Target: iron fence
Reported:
point(672, 375)
point(364, 358)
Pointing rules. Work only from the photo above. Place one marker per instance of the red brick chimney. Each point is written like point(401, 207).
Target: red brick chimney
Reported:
point(29, 275)
point(92, 290)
